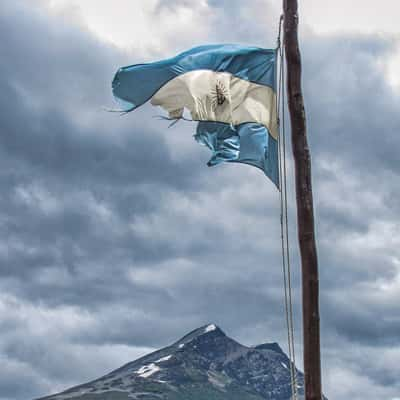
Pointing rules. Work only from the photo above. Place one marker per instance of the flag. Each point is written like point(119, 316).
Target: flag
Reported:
point(229, 89)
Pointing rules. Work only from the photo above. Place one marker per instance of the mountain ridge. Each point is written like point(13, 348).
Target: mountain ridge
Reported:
point(203, 364)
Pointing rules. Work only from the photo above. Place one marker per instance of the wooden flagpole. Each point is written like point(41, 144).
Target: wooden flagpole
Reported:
point(304, 199)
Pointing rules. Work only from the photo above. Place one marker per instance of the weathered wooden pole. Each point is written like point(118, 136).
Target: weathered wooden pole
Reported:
point(304, 199)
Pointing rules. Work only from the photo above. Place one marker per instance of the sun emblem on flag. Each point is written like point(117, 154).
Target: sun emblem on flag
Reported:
point(219, 95)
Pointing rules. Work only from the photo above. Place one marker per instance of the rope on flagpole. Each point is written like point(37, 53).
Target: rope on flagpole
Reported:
point(287, 280)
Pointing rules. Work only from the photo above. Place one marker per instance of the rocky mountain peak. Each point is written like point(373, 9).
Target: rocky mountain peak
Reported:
point(202, 333)
point(210, 343)
point(204, 364)
point(270, 346)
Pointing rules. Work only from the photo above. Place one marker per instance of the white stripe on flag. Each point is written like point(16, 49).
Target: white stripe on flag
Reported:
point(219, 96)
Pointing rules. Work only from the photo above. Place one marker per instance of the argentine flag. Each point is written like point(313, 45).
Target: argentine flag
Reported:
point(229, 89)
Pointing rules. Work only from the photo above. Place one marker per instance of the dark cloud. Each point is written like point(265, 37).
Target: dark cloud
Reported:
point(116, 238)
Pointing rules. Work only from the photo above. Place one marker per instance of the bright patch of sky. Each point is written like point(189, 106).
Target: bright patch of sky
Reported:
point(151, 29)
point(362, 16)
point(139, 17)
point(144, 26)
point(357, 16)
point(394, 69)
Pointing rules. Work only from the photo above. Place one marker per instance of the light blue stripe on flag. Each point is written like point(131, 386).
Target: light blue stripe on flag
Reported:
point(136, 84)
point(247, 143)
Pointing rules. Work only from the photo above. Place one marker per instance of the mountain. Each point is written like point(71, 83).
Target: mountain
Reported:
point(203, 365)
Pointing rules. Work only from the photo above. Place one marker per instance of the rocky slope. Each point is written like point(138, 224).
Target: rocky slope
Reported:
point(204, 365)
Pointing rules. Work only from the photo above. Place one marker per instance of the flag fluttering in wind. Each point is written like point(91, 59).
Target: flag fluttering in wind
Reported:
point(229, 89)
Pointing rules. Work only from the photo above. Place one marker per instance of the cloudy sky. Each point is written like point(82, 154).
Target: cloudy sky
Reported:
point(116, 239)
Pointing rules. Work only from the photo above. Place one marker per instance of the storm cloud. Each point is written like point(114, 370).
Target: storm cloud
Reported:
point(117, 239)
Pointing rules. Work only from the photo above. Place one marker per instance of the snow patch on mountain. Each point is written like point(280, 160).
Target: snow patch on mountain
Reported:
point(148, 370)
point(210, 328)
point(166, 358)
